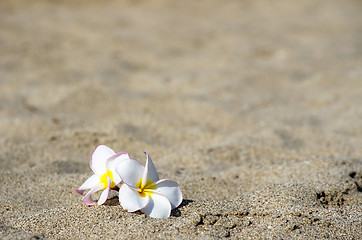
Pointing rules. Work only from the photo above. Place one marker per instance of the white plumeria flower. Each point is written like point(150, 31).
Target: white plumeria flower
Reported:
point(142, 190)
point(103, 162)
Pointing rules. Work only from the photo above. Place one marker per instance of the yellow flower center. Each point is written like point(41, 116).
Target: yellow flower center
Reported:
point(144, 190)
point(104, 179)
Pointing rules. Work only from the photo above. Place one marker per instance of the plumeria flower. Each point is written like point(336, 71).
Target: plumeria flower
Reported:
point(103, 162)
point(143, 190)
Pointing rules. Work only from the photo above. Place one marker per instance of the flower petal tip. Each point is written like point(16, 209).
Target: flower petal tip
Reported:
point(80, 191)
point(88, 202)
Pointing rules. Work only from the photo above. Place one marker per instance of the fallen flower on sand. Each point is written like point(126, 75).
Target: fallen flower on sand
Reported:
point(103, 162)
point(142, 190)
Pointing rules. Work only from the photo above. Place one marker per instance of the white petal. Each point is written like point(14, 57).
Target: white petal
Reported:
point(89, 183)
point(150, 173)
point(104, 195)
point(130, 199)
point(115, 159)
point(130, 170)
point(88, 197)
point(116, 178)
point(171, 190)
point(112, 163)
point(98, 161)
point(158, 207)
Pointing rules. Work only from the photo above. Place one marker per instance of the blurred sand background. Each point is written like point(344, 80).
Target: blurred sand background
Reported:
point(254, 107)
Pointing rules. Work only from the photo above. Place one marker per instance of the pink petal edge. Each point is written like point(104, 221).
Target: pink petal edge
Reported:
point(88, 197)
point(118, 154)
point(80, 191)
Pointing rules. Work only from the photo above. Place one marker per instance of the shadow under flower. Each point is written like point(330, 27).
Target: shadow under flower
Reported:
point(113, 201)
point(176, 212)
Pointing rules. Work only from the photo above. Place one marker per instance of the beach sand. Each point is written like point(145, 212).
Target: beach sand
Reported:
point(253, 107)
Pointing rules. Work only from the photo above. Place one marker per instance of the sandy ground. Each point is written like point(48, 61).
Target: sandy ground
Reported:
point(254, 107)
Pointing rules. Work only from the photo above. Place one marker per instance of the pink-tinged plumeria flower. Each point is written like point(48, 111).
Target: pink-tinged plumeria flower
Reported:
point(142, 190)
point(103, 162)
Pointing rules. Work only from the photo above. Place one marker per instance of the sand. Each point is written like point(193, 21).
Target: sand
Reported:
point(253, 107)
